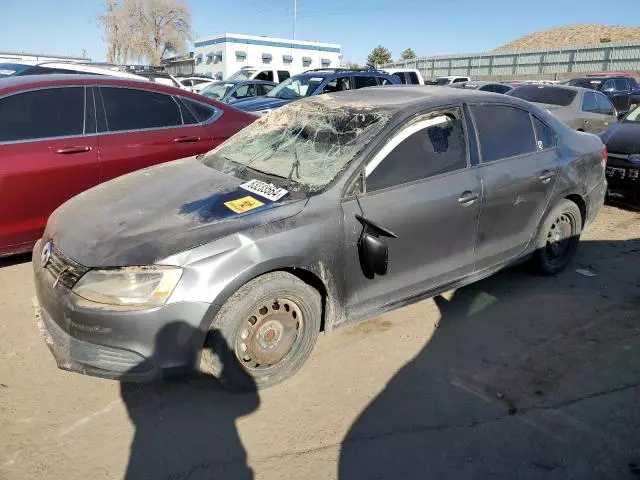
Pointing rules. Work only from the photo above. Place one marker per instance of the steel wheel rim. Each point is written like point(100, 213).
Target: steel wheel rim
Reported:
point(269, 333)
point(559, 237)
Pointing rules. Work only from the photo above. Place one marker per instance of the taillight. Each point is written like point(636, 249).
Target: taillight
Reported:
point(604, 155)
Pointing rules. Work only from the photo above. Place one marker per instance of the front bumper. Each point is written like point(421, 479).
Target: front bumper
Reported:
point(105, 341)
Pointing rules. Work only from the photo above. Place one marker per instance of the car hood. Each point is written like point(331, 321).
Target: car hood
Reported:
point(622, 138)
point(143, 217)
point(260, 103)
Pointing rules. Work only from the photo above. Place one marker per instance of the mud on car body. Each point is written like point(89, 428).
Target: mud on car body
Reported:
point(323, 213)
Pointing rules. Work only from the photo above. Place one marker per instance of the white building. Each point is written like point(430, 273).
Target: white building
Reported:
point(222, 55)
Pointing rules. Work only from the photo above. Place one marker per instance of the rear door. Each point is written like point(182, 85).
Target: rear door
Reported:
point(606, 110)
point(518, 169)
point(420, 186)
point(48, 154)
point(139, 128)
point(590, 118)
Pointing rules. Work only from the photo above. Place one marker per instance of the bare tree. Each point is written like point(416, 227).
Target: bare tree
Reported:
point(145, 29)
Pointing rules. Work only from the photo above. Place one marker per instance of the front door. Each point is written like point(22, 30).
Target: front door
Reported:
point(421, 187)
point(140, 128)
point(48, 155)
point(518, 169)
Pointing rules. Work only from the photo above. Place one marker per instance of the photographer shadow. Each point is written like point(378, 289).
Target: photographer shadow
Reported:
point(186, 428)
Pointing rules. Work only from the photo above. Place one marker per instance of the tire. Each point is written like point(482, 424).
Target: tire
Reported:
point(558, 238)
point(263, 333)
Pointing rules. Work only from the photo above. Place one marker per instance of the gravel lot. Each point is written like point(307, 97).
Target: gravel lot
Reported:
point(513, 377)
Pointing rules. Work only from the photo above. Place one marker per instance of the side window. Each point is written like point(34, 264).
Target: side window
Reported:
point(362, 81)
point(265, 75)
point(242, 92)
point(458, 80)
point(399, 76)
point(131, 109)
point(200, 111)
point(385, 81)
point(187, 83)
point(609, 86)
point(504, 131)
point(487, 88)
point(544, 135)
point(502, 88)
point(413, 78)
point(264, 89)
point(47, 113)
point(589, 103)
point(338, 84)
point(430, 145)
point(283, 75)
point(621, 84)
point(605, 107)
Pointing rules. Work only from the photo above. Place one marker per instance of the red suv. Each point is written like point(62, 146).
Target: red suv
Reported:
point(63, 134)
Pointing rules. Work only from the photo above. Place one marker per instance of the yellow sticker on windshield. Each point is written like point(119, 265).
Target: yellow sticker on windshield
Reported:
point(243, 204)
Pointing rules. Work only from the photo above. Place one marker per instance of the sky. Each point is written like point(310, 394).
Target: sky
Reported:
point(69, 27)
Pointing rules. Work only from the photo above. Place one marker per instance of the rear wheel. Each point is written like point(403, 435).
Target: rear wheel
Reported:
point(264, 333)
point(558, 238)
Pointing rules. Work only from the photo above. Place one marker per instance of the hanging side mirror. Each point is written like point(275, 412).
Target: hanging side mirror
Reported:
point(373, 252)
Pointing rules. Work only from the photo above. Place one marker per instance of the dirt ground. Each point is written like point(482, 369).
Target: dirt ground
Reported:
point(514, 377)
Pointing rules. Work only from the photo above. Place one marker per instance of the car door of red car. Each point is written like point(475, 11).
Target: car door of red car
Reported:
point(139, 128)
point(48, 154)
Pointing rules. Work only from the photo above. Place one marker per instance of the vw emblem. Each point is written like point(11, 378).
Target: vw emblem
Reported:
point(45, 256)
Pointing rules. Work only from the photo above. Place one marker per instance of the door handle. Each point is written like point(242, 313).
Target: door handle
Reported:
point(186, 139)
point(70, 150)
point(546, 176)
point(468, 198)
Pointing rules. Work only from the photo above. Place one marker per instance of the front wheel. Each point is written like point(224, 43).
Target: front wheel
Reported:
point(263, 333)
point(558, 238)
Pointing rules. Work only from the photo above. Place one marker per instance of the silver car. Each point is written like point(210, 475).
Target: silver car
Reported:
point(583, 109)
point(322, 213)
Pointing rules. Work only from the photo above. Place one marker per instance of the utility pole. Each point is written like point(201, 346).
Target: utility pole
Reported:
point(295, 15)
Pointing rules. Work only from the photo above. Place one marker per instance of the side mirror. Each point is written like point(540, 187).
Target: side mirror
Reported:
point(372, 251)
point(374, 255)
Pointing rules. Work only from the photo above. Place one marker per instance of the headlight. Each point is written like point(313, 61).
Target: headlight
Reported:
point(262, 112)
point(129, 286)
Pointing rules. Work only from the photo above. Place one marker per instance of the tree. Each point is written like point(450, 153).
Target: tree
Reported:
point(145, 29)
point(379, 56)
point(407, 54)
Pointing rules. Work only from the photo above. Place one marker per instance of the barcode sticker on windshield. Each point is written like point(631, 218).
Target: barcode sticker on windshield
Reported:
point(266, 190)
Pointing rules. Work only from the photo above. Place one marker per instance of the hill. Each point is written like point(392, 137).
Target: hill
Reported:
point(572, 35)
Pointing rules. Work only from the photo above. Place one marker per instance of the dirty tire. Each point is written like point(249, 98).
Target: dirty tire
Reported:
point(552, 256)
point(222, 355)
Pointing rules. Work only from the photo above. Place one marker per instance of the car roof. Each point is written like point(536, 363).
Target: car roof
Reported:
point(349, 73)
point(28, 82)
point(558, 87)
point(394, 98)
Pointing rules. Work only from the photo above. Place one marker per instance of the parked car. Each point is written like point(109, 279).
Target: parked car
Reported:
point(441, 81)
point(494, 87)
point(62, 134)
point(231, 92)
point(16, 68)
point(622, 90)
point(325, 212)
point(580, 108)
point(315, 82)
point(162, 78)
point(195, 84)
point(267, 74)
point(408, 76)
point(623, 167)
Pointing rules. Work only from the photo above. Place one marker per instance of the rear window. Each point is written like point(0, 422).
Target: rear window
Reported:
point(585, 83)
point(544, 94)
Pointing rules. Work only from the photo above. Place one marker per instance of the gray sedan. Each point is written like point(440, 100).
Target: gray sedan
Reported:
point(582, 109)
point(323, 213)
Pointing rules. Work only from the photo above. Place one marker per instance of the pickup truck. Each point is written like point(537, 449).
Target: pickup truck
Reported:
point(623, 91)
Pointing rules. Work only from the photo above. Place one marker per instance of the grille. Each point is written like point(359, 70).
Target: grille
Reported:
point(64, 269)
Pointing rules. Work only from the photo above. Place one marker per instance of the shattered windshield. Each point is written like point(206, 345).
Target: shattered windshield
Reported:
point(305, 143)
